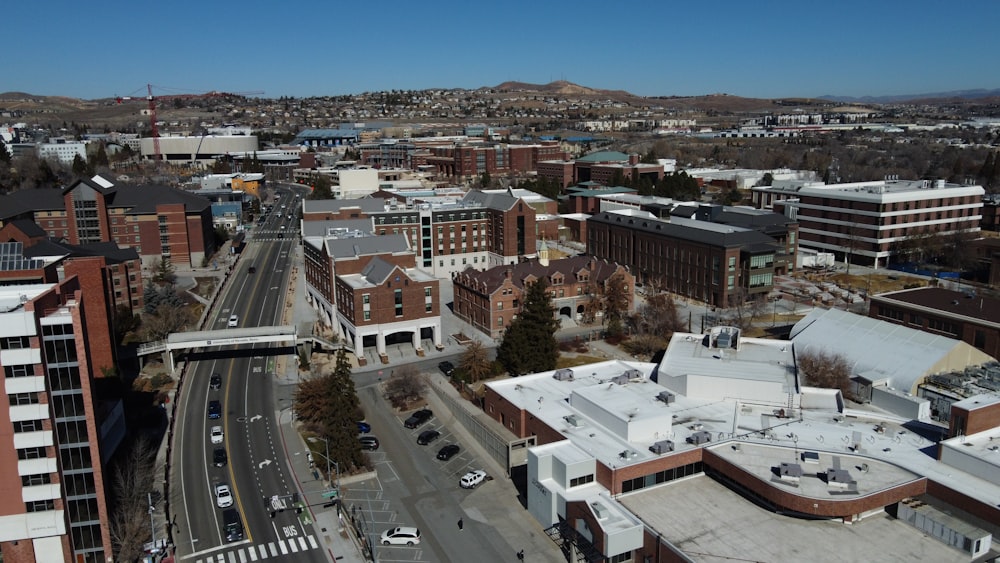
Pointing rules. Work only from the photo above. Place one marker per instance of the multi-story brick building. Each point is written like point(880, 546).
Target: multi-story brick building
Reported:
point(368, 289)
point(55, 435)
point(869, 222)
point(969, 317)
point(491, 299)
point(715, 263)
point(600, 167)
point(48, 261)
point(157, 221)
point(482, 230)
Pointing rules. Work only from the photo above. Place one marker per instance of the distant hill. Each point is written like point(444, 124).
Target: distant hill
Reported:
point(935, 96)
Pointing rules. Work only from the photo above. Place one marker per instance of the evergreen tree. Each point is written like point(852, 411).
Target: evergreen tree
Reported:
point(80, 167)
point(340, 423)
point(4, 155)
point(529, 344)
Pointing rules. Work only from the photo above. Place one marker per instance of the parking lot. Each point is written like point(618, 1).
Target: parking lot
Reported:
point(370, 506)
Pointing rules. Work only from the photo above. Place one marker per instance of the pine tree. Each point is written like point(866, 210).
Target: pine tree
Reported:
point(529, 344)
point(340, 423)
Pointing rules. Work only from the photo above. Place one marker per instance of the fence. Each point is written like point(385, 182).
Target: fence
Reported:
point(495, 445)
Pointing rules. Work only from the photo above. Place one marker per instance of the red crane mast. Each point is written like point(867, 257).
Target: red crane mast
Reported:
point(151, 99)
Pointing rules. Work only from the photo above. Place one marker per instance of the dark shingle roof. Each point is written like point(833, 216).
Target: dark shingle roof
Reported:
point(378, 270)
point(109, 250)
point(710, 234)
point(145, 198)
point(969, 304)
point(28, 227)
point(599, 270)
point(503, 201)
point(353, 247)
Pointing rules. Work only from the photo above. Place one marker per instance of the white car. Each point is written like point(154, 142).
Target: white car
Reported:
point(234, 321)
point(403, 535)
point(472, 479)
point(223, 496)
point(216, 435)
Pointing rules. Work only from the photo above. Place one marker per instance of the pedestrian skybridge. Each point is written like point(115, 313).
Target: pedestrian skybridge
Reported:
point(228, 337)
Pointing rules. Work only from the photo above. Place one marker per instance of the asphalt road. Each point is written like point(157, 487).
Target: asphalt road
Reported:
point(256, 468)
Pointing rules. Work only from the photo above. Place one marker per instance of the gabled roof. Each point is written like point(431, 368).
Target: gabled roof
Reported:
point(28, 227)
point(354, 247)
point(109, 250)
point(599, 271)
point(882, 350)
point(502, 201)
point(378, 270)
point(27, 201)
point(142, 199)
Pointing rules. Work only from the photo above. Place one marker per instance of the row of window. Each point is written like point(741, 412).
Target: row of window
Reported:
point(664, 476)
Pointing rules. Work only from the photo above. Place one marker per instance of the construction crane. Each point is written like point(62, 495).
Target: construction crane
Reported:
point(151, 99)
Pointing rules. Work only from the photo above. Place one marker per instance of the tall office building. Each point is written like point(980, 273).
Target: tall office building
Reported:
point(55, 436)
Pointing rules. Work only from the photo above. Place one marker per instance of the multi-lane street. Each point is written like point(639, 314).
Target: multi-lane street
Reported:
point(255, 466)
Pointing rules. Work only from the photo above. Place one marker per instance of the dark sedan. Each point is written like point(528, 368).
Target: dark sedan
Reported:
point(448, 452)
point(418, 418)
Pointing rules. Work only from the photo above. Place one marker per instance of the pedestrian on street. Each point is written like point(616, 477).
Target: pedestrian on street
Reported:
point(520, 555)
point(461, 524)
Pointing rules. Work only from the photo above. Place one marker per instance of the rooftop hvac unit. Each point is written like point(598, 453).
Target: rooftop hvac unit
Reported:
point(620, 379)
point(790, 470)
point(573, 420)
point(633, 374)
point(564, 374)
point(700, 437)
point(724, 340)
point(662, 447)
point(667, 397)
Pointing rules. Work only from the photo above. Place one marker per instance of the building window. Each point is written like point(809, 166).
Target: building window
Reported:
point(39, 505)
point(621, 557)
point(732, 263)
point(368, 315)
point(979, 340)
point(27, 426)
point(14, 343)
point(731, 283)
point(577, 481)
point(399, 302)
point(499, 305)
point(366, 298)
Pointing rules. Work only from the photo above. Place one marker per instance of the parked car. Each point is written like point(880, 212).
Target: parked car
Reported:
point(472, 479)
point(402, 535)
point(219, 457)
point(364, 427)
point(214, 409)
point(223, 496)
point(369, 443)
point(216, 435)
point(215, 382)
point(428, 436)
point(418, 418)
point(448, 452)
point(446, 367)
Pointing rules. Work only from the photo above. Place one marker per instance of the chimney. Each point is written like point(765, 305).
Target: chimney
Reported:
point(633, 159)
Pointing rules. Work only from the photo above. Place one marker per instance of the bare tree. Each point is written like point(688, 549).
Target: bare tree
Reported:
point(825, 369)
point(132, 480)
point(406, 385)
point(165, 320)
point(475, 362)
point(744, 309)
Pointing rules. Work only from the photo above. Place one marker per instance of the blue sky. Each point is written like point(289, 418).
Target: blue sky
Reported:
point(753, 48)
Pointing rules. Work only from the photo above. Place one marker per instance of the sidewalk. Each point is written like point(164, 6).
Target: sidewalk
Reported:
point(331, 530)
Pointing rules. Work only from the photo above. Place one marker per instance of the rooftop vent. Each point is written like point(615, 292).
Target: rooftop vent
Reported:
point(564, 374)
point(620, 379)
point(667, 397)
point(573, 420)
point(700, 437)
point(662, 447)
point(633, 374)
point(790, 470)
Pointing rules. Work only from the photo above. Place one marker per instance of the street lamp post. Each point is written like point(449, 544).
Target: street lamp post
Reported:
point(336, 466)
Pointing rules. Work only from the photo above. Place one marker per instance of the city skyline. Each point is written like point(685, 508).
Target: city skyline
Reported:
point(646, 48)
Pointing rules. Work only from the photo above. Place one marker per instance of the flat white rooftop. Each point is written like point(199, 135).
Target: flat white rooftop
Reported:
point(711, 523)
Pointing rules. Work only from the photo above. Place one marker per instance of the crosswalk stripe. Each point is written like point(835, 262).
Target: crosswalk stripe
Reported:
point(312, 542)
point(221, 558)
point(293, 546)
point(263, 551)
point(302, 542)
point(243, 557)
point(232, 557)
point(252, 550)
point(274, 551)
point(281, 544)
